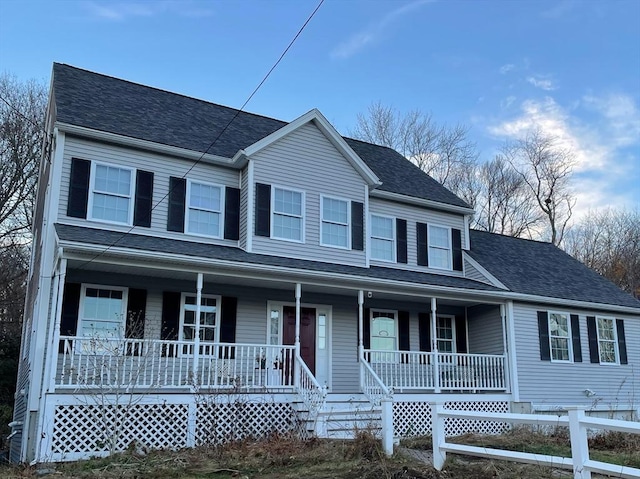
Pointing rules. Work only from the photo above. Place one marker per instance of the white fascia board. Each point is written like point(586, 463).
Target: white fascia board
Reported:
point(412, 200)
point(330, 133)
point(129, 141)
point(492, 279)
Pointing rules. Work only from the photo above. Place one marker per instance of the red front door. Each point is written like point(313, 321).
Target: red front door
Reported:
point(307, 333)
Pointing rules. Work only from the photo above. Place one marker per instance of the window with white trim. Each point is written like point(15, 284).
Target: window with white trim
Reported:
point(204, 209)
point(287, 214)
point(607, 340)
point(439, 247)
point(445, 334)
point(102, 312)
point(560, 336)
point(383, 238)
point(384, 335)
point(111, 193)
point(334, 222)
point(209, 318)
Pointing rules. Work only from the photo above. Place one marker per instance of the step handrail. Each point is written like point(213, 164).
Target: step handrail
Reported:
point(307, 386)
point(372, 386)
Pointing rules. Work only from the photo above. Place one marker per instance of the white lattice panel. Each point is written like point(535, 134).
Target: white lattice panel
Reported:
point(92, 428)
point(221, 422)
point(414, 418)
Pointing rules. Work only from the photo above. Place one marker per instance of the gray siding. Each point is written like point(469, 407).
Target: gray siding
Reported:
point(472, 273)
point(413, 215)
point(615, 385)
point(162, 166)
point(485, 330)
point(306, 160)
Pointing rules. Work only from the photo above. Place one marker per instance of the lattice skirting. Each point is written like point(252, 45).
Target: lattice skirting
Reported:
point(414, 418)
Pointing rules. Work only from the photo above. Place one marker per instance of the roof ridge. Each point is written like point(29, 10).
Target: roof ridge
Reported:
point(513, 237)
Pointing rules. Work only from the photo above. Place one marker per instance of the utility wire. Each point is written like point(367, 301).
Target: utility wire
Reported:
point(4, 100)
point(264, 79)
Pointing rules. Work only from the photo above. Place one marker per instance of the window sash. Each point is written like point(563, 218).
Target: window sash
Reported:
point(287, 214)
point(111, 193)
point(560, 337)
point(607, 340)
point(209, 318)
point(439, 247)
point(335, 222)
point(102, 317)
point(383, 236)
point(445, 334)
point(204, 209)
point(383, 335)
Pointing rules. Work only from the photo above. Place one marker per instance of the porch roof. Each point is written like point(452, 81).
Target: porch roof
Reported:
point(132, 241)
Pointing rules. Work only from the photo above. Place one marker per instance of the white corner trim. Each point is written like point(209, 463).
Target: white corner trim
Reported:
point(412, 200)
point(328, 130)
point(492, 279)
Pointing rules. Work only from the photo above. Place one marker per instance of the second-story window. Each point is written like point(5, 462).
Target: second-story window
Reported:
point(204, 211)
point(335, 222)
point(382, 238)
point(287, 214)
point(112, 190)
point(439, 247)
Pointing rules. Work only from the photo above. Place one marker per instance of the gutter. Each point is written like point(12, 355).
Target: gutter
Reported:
point(412, 200)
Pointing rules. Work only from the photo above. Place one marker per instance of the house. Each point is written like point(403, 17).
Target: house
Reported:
point(201, 273)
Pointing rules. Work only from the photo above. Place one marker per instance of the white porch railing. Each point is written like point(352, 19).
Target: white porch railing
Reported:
point(413, 370)
point(313, 395)
point(85, 362)
point(372, 386)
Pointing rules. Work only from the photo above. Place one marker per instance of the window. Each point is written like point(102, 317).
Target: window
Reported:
point(274, 325)
point(287, 213)
point(383, 335)
point(607, 340)
point(445, 334)
point(204, 209)
point(560, 336)
point(209, 331)
point(439, 247)
point(335, 222)
point(383, 238)
point(102, 313)
point(111, 193)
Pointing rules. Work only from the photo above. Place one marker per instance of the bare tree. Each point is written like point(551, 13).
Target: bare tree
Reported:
point(504, 201)
point(443, 152)
point(609, 243)
point(546, 167)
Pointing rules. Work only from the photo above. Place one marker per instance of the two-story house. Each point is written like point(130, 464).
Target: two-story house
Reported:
point(201, 273)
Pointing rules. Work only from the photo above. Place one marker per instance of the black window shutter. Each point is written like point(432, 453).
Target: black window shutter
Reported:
point(228, 325)
point(622, 342)
point(423, 257)
point(424, 331)
point(231, 213)
point(78, 188)
point(144, 199)
point(70, 311)
point(575, 338)
point(594, 353)
point(366, 329)
point(456, 243)
point(543, 334)
point(357, 226)
point(263, 210)
point(170, 315)
point(177, 193)
point(401, 240)
point(136, 313)
point(403, 330)
point(461, 334)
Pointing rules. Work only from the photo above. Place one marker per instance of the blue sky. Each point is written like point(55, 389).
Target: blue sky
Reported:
point(570, 67)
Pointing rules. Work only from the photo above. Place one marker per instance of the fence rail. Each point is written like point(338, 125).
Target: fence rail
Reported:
point(576, 420)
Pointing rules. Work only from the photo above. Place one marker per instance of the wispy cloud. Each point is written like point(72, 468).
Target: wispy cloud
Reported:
point(504, 69)
point(120, 11)
point(374, 31)
point(541, 81)
point(560, 9)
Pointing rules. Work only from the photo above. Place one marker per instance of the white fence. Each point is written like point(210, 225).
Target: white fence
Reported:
point(576, 420)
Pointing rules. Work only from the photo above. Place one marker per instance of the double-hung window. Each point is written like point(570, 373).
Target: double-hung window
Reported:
point(335, 222)
point(102, 315)
point(607, 340)
point(445, 334)
point(287, 215)
point(384, 335)
point(204, 209)
point(560, 336)
point(209, 319)
point(111, 193)
point(439, 247)
point(383, 238)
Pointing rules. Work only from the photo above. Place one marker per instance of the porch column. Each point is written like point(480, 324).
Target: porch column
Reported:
point(434, 346)
point(296, 368)
point(505, 348)
point(58, 288)
point(361, 325)
point(196, 340)
point(511, 356)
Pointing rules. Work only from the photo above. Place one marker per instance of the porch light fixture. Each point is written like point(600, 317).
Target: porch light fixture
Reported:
point(369, 294)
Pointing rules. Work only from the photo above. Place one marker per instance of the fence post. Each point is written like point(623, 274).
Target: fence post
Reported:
point(579, 444)
point(387, 425)
point(437, 435)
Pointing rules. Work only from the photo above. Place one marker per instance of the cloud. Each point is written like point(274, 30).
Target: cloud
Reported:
point(504, 69)
point(374, 31)
point(559, 9)
point(541, 81)
point(114, 11)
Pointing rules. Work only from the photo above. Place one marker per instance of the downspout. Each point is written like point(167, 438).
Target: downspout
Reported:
point(505, 348)
point(296, 368)
point(515, 389)
point(434, 346)
point(196, 339)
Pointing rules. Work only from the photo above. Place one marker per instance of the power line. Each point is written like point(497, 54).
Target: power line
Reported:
point(264, 79)
point(39, 127)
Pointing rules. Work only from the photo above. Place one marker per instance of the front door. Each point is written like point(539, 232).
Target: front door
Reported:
point(307, 333)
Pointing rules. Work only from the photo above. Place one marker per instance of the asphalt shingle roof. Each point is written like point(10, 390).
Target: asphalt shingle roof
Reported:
point(109, 104)
point(542, 269)
point(202, 250)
